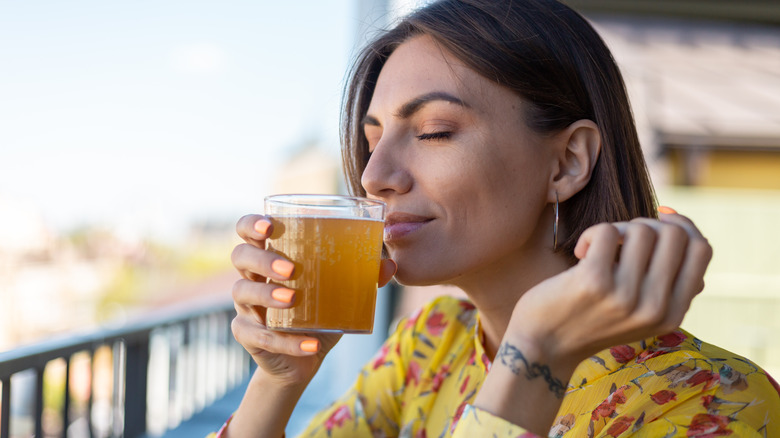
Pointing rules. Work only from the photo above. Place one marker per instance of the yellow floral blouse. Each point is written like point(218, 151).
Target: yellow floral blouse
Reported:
point(422, 381)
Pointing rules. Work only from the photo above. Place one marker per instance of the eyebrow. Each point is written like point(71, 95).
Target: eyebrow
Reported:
point(414, 105)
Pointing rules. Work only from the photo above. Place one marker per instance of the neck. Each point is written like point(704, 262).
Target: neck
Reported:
point(496, 289)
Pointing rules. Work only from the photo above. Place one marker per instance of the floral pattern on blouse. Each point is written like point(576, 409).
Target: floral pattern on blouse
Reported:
point(421, 384)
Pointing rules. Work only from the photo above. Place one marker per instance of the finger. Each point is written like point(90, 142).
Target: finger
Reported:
point(256, 264)
point(253, 293)
point(683, 221)
point(690, 280)
point(387, 268)
point(638, 245)
point(662, 273)
point(599, 244)
point(697, 256)
point(254, 229)
point(256, 338)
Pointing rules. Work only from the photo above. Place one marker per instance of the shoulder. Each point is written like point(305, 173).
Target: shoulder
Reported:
point(714, 380)
point(669, 381)
point(692, 361)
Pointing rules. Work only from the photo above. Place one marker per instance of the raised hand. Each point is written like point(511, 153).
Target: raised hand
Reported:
point(634, 280)
point(290, 358)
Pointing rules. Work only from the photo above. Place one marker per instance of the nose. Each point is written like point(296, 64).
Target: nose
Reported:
point(387, 171)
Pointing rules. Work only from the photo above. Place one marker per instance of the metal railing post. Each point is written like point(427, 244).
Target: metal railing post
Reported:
point(66, 401)
point(38, 409)
point(5, 417)
point(136, 373)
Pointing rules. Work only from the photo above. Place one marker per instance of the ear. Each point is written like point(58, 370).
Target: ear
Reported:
point(577, 150)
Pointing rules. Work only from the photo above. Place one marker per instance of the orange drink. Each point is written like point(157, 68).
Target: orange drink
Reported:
point(336, 245)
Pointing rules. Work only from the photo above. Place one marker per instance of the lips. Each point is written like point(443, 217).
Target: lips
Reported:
point(399, 225)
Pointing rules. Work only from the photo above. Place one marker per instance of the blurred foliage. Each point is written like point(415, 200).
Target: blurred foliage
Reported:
point(140, 272)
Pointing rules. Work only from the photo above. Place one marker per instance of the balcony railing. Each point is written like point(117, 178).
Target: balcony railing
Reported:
point(140, 379)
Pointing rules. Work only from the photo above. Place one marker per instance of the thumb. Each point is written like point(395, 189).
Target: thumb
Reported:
point(387, 268)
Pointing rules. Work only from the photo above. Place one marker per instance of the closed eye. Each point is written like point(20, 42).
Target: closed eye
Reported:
point(435, 136)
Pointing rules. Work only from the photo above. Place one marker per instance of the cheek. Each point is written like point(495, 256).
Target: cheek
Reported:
point(512, 194)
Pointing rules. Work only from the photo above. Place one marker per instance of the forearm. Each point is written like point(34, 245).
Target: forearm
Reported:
point(265, 408)
point(524, 388)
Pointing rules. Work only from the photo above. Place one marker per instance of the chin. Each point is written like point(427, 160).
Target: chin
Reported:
point(417, 277)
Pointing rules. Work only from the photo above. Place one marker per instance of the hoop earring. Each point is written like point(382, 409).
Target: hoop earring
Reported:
point(555, 225)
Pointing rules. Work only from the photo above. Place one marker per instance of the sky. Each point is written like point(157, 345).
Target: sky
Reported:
point(155, 113)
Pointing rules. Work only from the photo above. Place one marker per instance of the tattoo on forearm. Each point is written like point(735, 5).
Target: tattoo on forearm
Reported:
point(513, 358)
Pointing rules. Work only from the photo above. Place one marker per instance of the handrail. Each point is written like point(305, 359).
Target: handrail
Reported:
point(202, 361)
point(33, 355)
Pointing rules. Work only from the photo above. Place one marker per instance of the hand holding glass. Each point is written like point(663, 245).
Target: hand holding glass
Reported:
point(335, 243)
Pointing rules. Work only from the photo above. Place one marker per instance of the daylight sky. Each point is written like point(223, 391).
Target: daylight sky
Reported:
point(155, 113)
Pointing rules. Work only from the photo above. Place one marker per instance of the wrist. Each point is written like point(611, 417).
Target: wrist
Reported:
point(544, 342)
point(266, 407)
point(269, 383)
point(525, 385)
point(535, 367)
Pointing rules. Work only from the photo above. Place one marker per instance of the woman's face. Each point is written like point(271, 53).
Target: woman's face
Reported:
point(465, 181)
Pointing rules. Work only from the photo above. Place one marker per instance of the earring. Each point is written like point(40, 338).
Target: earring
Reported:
point(555, 225)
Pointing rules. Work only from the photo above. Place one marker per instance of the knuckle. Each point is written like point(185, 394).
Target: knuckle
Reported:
point(237, 253)
point(265, 340)
point(671, 323)
point(623, 304)
point(235, 327)
point(243, 221)
point(643, 221)
point(236, 290)
point(654, 317)
point(606, 230)
point(675, 232)
point(593, 284)
point(641, 230)
point(700, 248)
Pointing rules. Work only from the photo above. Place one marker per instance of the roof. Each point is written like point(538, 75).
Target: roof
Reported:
point(699, 83)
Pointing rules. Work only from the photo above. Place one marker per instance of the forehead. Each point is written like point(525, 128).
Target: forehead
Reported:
point(419, 66)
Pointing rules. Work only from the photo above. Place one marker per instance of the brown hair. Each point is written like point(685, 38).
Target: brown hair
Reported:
point(552, 58)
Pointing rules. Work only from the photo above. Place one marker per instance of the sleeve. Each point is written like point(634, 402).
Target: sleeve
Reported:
point(476, 422)
point(221, 431)
point(371, 407)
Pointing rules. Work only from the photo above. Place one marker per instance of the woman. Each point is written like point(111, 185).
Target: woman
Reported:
point(501, 138)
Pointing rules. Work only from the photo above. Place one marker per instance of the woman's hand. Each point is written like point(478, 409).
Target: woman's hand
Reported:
point(290, 359)
point(634, 280)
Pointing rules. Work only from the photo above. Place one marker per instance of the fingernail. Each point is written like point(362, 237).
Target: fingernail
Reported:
point(395, 267)
point(283, 295)
point(283, 267)
point(666, 210)
point(310, 346)
point(262, 226)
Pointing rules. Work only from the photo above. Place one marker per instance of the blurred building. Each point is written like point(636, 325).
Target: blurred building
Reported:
point(704, 83)
point(309, 169)
point(706, 95)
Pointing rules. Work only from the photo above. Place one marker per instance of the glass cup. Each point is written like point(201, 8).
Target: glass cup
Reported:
point(335, 243)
